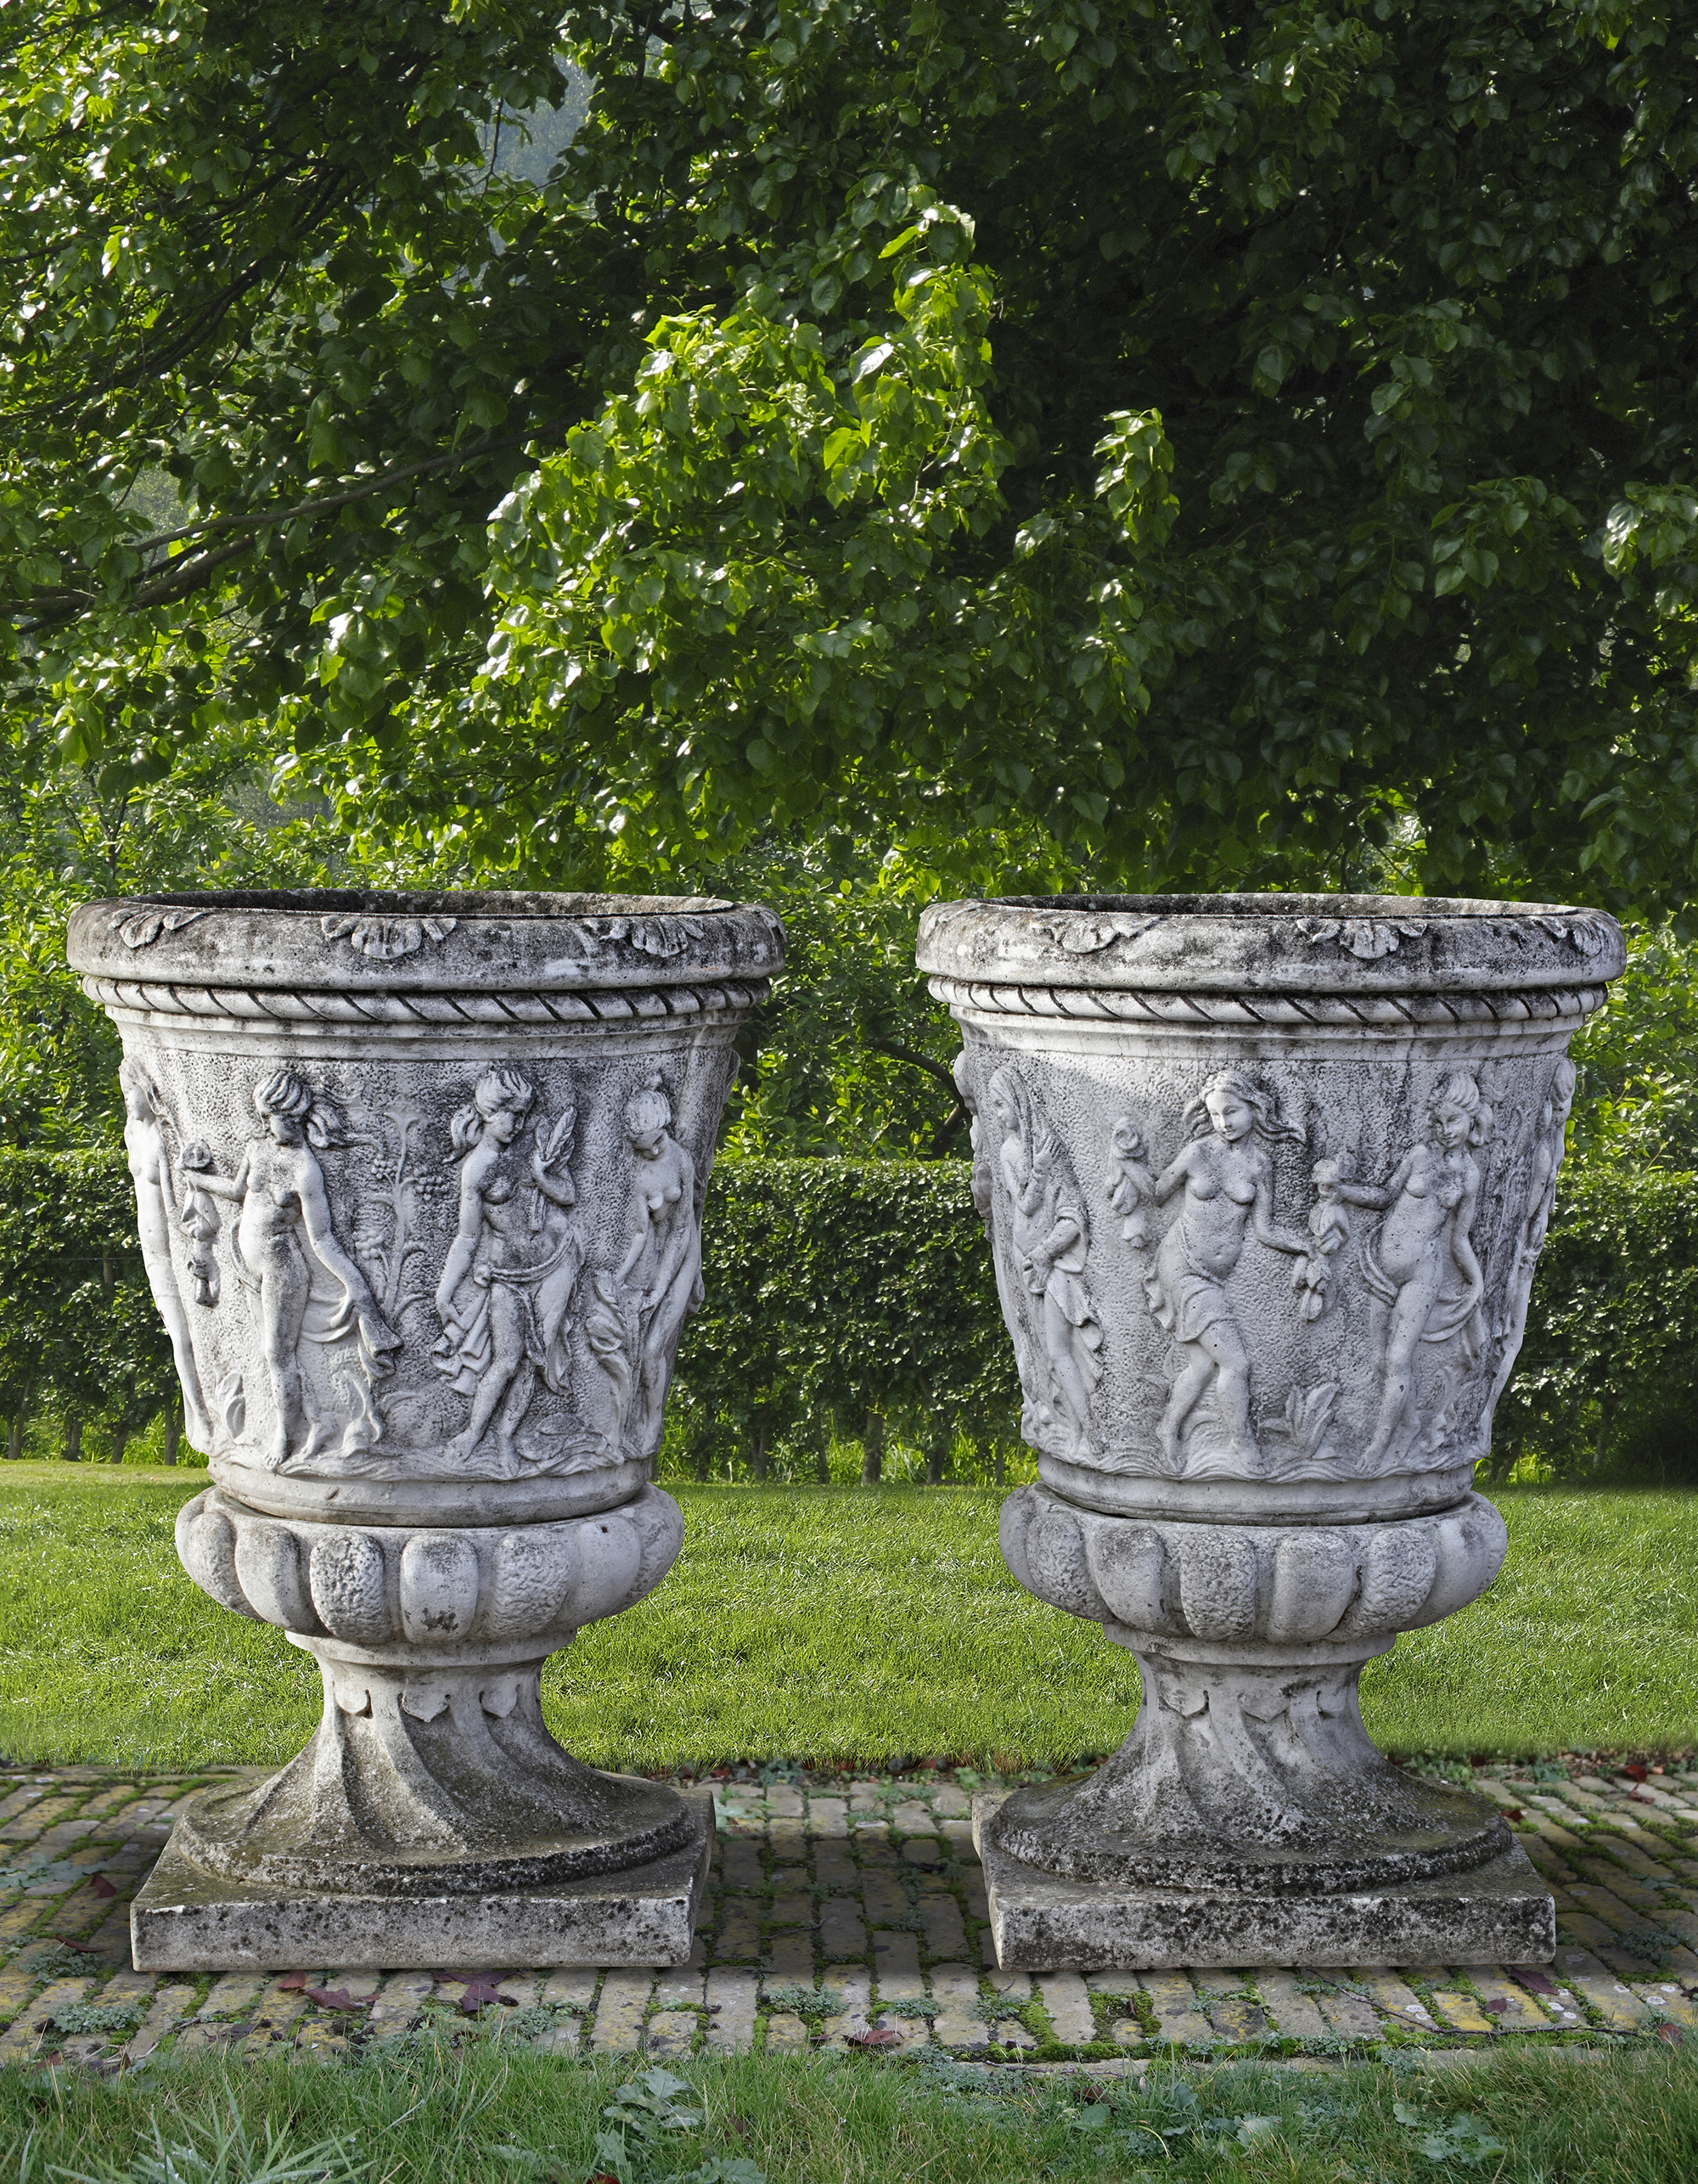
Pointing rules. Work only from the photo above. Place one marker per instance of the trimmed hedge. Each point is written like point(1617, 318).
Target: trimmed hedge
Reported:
point(857, 1297)
point(1606, 1384)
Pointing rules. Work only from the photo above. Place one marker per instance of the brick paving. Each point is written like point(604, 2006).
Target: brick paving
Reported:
point(845, 1916)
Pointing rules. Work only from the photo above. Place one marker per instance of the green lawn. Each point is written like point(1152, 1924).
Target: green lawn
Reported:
point(1520, 2117)
point(829, 1624)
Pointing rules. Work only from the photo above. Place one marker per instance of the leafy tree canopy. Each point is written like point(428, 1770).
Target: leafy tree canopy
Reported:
point(1230, 444)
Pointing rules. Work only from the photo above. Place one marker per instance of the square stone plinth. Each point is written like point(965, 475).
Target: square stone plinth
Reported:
point(1497, 1914)
point(184, 1920)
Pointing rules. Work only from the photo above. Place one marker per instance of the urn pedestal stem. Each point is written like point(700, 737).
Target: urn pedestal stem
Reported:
point(419, 1184)
point(1266, 1180)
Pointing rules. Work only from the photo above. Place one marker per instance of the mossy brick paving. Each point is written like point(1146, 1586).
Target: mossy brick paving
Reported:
point(847, 1915)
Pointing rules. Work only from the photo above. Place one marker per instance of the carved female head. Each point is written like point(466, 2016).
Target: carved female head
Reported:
point(291, 1110)
point(647, 1116)
point(1236, 1105)
point(141, 1099)
point(1459, 1115)
point(501, 1098)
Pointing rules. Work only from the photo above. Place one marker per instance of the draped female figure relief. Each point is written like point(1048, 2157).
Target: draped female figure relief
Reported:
point(510, 1273)
point(303, 1286)
point(1419, 1265)
point(150, 1171)
point(1049, 1240)
point(1226, 1174)
point(641, 1304)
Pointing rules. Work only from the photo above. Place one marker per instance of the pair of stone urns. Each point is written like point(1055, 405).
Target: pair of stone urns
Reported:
point(419, 1181)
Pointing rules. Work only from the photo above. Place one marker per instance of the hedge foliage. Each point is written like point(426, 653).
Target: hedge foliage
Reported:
point(857, 1298)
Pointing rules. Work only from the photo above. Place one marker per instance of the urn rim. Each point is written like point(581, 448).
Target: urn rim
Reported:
point(494, 940)
point(1271, 943)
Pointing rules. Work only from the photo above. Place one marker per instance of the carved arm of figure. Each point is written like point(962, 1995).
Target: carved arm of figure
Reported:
point(1060, 1239)
point(463, 1250)
point(1377, 1196)
point(234, 1188)
point(376, 1334)
point(557, 1189)
point(1446, 1321)
point(1267, 1229)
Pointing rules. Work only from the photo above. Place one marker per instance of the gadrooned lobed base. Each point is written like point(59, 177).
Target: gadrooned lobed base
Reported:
point(184, 1920)
point(1499, 1913)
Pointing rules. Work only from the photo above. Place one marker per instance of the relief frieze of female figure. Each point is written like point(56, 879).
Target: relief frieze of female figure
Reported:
point(302, 1285)
point(1419, 1265)
point(634, 1326)
point(1048, 1240)
point(509, 1276)
point(1226, 1175)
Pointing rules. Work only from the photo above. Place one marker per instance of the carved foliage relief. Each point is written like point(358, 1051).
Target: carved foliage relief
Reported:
point(1299, 1270)
point(419, 1271)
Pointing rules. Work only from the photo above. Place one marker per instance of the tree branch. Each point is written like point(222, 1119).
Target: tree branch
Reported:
point(174, 580)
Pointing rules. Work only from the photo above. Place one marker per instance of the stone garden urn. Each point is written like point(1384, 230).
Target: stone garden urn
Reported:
point(1266, 1178)
point(419, 1184)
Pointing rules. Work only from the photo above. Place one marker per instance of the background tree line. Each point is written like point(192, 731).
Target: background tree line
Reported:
point(842, 451)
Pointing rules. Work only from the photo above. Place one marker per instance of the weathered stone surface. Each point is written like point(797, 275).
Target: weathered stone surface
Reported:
point(185, 1918)
point(419, 1184)
point(1266, 1180)
point(1046, 1921)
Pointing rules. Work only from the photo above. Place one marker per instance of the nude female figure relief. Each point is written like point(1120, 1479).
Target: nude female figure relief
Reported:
point(283, 1248)
point(150, 1170)
point(642, 1303)
point(510, 1271)
point(1419, 1265)
point(1226, 1174)
point(1049, 1240)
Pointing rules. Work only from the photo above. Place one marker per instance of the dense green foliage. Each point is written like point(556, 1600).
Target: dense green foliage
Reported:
point(1243, 444)
point(78, 1331)
point(847, 1294)
point(855, 1301)
point(1607, 1382)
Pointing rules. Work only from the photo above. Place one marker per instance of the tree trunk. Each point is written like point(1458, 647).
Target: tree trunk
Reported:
point(998, 1464)
point(937, 1456)
point(873, 1448)
point(15, 1435)
point(125, 1427)
point(73, 1440)
point(173, 1432)
point(760, 1443)
point(821, 1460)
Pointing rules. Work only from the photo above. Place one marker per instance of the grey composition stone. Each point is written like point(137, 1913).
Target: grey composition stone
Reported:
point(418, 1184)
point(184, 1918)
point(1049, 1921)
point(1266, 1180)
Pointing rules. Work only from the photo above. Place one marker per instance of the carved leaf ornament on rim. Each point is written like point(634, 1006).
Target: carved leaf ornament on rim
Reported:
point(385, 939)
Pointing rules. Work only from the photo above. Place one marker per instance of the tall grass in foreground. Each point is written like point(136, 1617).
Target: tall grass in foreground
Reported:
point(832, 1626)
point(1523, 2117)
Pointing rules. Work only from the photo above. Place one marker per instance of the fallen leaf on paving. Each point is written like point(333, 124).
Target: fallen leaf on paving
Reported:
point(334, 1998)
point(101, 1886)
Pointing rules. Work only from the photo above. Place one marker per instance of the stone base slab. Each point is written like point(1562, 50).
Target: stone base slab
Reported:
point(184, 1920)
point(1500, 1913)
